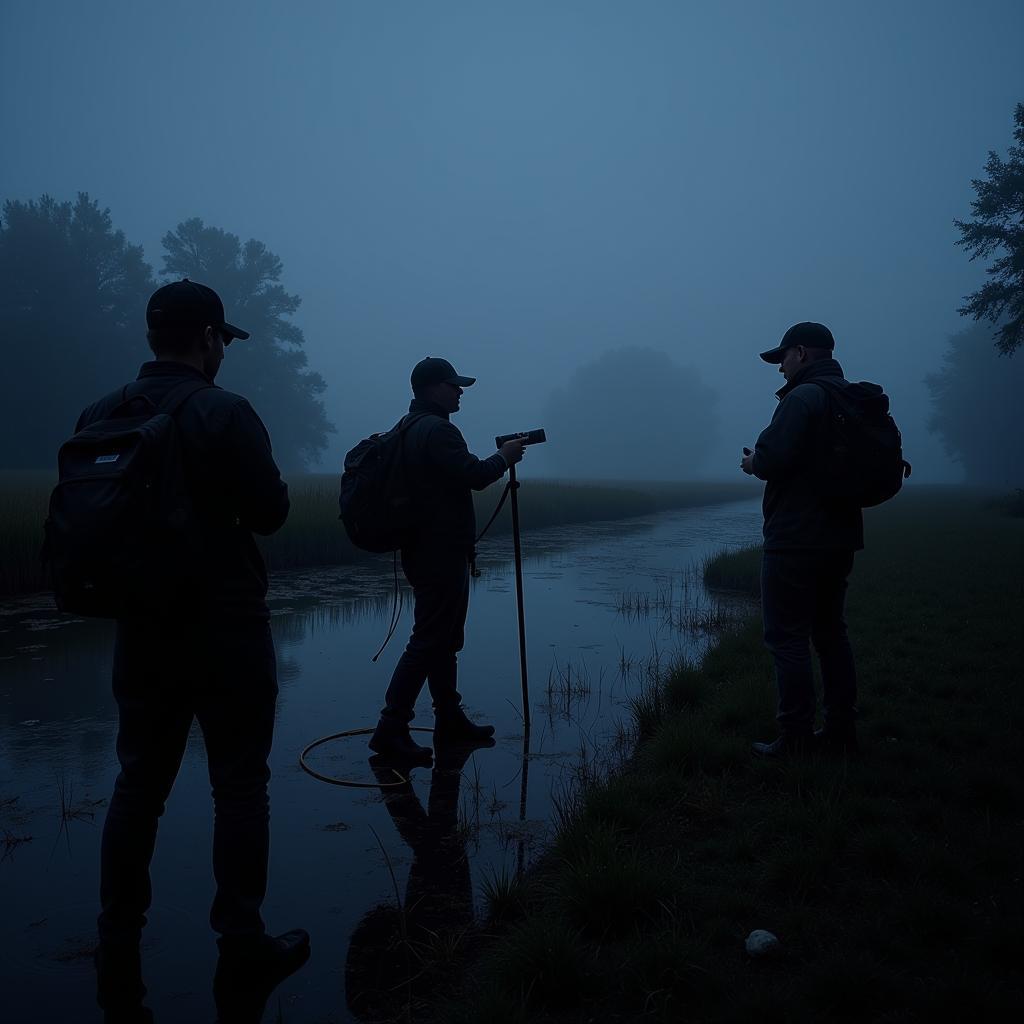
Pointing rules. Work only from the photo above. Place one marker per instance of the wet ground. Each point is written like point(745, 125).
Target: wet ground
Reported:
point(606, 605)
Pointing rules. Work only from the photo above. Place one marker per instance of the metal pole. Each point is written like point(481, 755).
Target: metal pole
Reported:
point(524, 787)
point(514, 483)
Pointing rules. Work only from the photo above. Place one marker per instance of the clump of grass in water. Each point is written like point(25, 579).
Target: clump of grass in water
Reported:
point(503, 891)
point(734, 570)
point(11, 842)
point(568, 686)
point(647, 708)
point(685, 608)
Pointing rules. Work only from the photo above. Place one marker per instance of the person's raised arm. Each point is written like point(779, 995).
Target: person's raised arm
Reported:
point(447, 449)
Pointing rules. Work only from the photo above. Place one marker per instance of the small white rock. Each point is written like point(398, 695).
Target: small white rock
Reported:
point(762, 943)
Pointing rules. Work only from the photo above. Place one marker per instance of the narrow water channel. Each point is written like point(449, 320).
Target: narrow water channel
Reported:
point(606, 605)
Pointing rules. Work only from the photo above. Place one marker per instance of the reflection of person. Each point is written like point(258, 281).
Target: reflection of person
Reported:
point(436, 562)
point(809, 544)
point(438, 894)
point(214, 662)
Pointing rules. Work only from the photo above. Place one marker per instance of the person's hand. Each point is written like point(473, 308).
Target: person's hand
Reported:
point(747, 462)
point(512, 451)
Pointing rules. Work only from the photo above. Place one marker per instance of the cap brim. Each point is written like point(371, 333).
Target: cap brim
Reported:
point(235, 332)
point(463, 382)
point(773, 355)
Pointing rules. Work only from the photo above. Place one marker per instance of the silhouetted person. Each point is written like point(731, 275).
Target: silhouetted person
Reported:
point(435, 561)
point(381, 957)
point(212, 661)
point(809, 544)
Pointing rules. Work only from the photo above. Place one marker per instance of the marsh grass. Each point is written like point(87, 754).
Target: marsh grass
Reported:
point(10, 842)
point(735, 570)
point(23, 502)
point(569, 687)
point(504, 894)
point(892, 880)
point(686, 606)
point(313, 535)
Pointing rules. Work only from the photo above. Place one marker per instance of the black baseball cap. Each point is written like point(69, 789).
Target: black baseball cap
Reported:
point(808, 334)
point(437, 371)
point(188, 304)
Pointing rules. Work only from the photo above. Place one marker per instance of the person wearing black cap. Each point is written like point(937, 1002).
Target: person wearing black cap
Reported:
point(436, 563)
point(214, 662)
point(809, 545)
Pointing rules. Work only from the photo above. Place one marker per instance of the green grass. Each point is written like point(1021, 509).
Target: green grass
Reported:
point(735, 570)
point(314, 536)
point(892, 881)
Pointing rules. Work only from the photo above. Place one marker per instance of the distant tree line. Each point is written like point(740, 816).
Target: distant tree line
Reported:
point(976, 411)
point(632, 413)
point(975, 394)
point(72, 305)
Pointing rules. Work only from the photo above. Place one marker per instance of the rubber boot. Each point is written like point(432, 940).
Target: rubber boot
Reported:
point(392, 739)
point(452, 726)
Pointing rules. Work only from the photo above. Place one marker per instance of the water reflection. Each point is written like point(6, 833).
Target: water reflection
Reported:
point(588, 654)
point(396, 948)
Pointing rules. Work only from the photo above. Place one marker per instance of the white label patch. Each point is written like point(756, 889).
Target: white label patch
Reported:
point(106, 458)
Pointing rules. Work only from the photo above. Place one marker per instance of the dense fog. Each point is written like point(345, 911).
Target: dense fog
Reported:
point(601, 210)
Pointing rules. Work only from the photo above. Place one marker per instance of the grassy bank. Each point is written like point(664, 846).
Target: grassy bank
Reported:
point(892, 881)
point(314, 536)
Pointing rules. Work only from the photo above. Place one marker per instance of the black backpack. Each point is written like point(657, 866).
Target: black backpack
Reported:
point(121, 535)
point(377, 500)
point(862, 454)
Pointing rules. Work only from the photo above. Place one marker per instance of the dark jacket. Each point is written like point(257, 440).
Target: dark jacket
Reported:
point(235, 485)
point(444, 474)
point(796, 515)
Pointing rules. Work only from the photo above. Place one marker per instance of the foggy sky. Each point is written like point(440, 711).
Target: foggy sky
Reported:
point(522, 186)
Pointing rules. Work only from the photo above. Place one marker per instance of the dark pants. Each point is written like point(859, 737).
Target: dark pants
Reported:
point(803, 595)
point(440, 586)
point(224, 675)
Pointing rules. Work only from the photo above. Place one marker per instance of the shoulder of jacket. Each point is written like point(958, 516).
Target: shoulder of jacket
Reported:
point(810, 393)
point(432, 423)
point(102, 406)
point(223, 404)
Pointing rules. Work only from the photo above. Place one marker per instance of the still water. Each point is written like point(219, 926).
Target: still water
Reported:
point(607, 604)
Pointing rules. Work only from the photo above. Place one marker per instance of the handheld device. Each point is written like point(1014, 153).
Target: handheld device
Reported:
point(528, 436)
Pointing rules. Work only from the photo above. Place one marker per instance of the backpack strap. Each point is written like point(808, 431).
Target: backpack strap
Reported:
point(409, 419)
point(180, 394)
point(830, 385)
point(171, 403)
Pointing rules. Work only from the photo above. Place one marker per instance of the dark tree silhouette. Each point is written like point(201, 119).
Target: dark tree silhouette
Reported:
point(72, 305)
point(975, 398)
point(632, 413)
point(269, 368)
point(999, 225)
